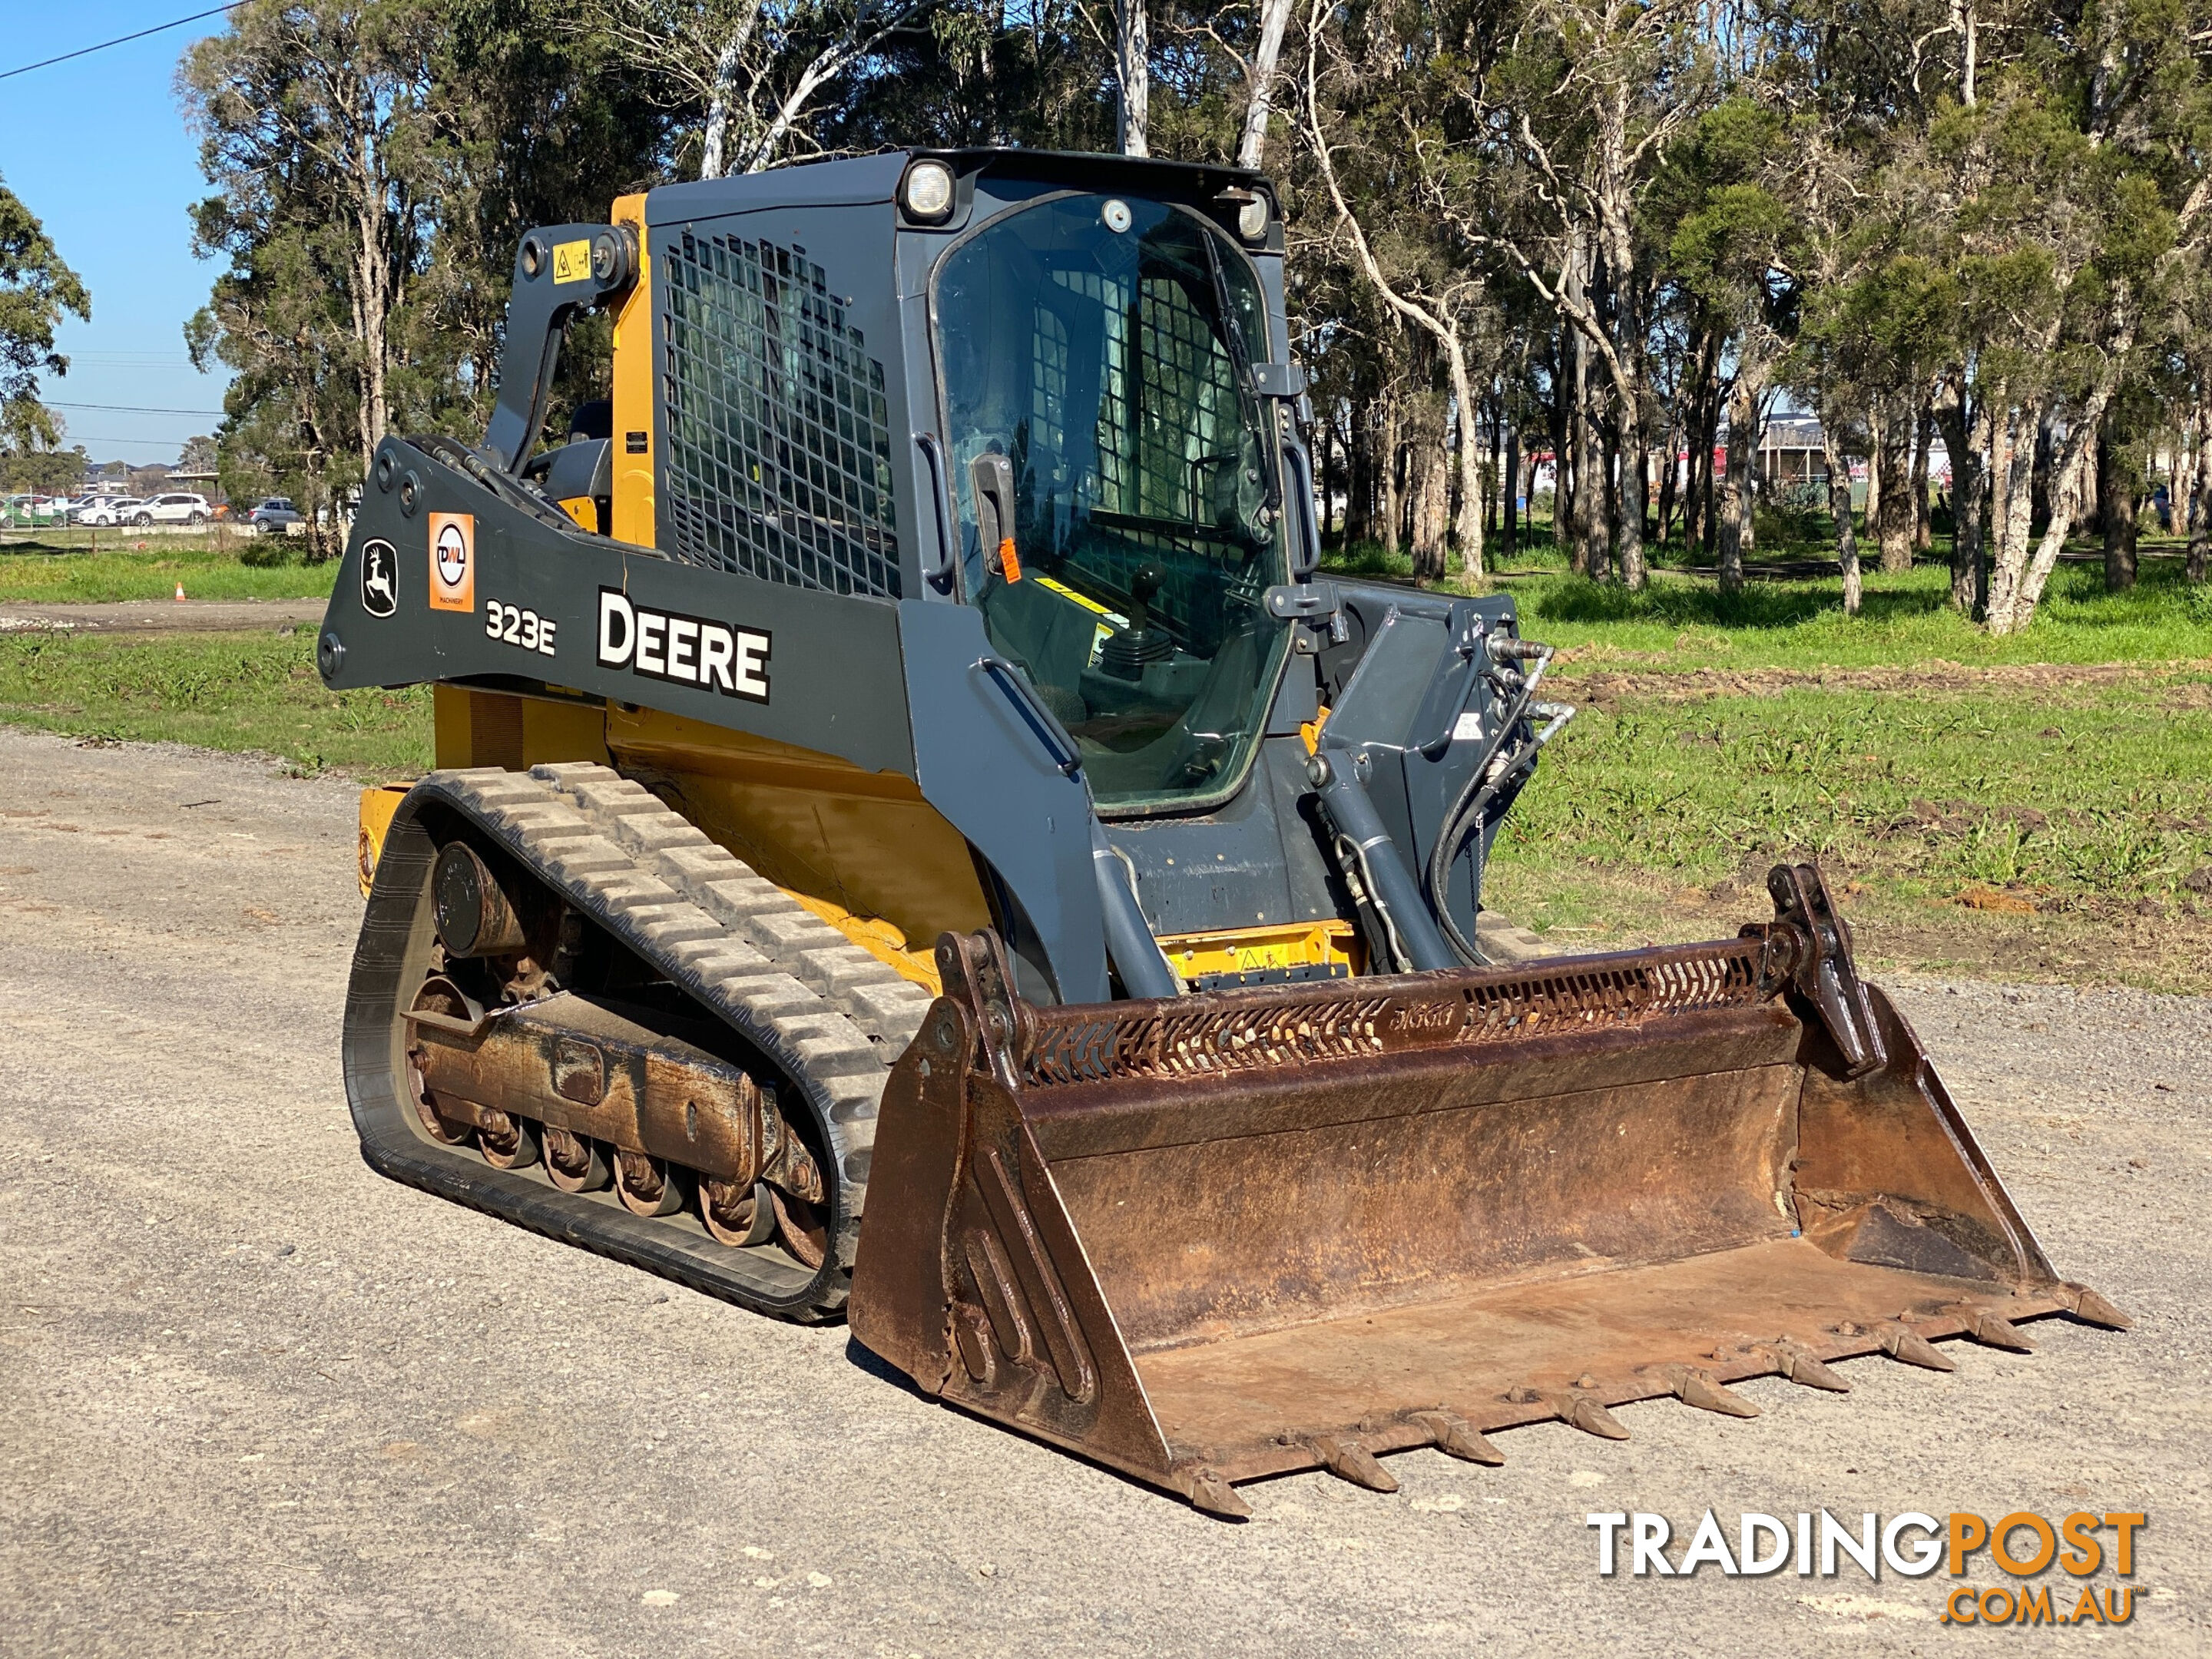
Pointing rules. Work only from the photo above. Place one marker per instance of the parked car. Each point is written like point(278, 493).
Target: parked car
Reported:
point(25, 512)
point(109, 510)
point(277, 512)
point(180, 509)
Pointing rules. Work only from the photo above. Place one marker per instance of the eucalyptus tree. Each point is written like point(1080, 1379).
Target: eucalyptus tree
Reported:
point(38, 290)
point(1374, 149)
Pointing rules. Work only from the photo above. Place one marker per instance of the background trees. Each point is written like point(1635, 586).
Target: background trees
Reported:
point(1609, 234)
point(37, 290)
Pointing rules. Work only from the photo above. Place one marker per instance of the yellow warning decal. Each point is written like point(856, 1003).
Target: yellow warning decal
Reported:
point(1109, 622)
point(1067, 593)
point(572, 262)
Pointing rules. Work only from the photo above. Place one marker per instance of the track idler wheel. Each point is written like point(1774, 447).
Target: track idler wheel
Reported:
point(737, 1214)
point(438, 995)
point(645, 1185)
point(802, 1227)
point(575, 1162)
point(515, 1148)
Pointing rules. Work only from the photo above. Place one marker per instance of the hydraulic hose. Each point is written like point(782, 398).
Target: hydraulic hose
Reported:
point(1490, 774)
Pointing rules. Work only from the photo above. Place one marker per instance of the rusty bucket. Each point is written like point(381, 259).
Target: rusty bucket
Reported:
point(1224, 1237)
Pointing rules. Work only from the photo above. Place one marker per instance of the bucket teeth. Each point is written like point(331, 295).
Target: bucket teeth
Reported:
point(1458, 1437)
point(1343, 1456)
point(1801, 1366)
point(1696, 1388)
point(1207, 1491)
point(1574, 1407)
point(1903, 1342)
point(1993, 1330)
point(2085, 1303)
point(1588, 1413)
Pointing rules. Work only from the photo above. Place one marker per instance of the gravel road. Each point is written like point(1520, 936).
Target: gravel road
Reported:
point(254, 1399)
point(158, 615)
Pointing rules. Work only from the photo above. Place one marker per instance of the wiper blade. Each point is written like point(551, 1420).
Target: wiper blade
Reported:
point(1240, 359)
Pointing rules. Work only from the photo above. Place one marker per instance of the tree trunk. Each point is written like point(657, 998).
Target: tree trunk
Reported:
point(1633, 484)
point(1924, 533)
point(1895, 460)
point(2183, 492)
point(1560, 416)
point(2200, 516)
point(1393, 497)
point(1252, 147)
point(729, 70)
point(1870, 509)
point(1491, 494)
point(1133, 75)
point(1510, 532)
point(1468, 529)
point(1839, 510)
point(1424, 482)
point(2116, 500)
point(1669, 485)
point(1588, 502)
point(1359, 461)
point(2069, 467)
point(1737, 537)
point(1605, 553)
point(2011, 503)
point(1697, 500)
point(1964, 438)
point(2039, 509)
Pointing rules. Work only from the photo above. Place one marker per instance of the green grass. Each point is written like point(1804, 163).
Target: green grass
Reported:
point(2010, 811)
point(2052, 826)
point(1683, 621)
point(255, 691)
point(57, 567)
point(2037, 806)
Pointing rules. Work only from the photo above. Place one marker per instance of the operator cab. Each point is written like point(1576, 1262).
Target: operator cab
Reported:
point(1118, 482)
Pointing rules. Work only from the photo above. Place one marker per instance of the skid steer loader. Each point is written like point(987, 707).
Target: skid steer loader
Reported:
point(899, 759)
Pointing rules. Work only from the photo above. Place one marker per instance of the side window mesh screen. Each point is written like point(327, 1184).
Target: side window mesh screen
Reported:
point(779, 452)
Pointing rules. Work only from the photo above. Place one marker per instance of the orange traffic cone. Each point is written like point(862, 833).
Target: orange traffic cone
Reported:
point(180, 592)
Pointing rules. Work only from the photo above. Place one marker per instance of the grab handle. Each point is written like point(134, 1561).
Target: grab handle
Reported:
point(1047, 730)
point(940, 507)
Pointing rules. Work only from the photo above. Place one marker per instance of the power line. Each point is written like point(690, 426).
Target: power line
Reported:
point(128, 408)
point(121, 40)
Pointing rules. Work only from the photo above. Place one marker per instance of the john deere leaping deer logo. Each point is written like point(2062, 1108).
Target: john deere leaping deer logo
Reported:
point(380, 578)
point(453, 561)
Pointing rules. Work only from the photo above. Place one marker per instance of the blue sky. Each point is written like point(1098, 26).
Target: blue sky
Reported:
point(97, 148)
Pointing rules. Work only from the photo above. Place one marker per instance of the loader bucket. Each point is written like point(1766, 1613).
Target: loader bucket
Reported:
point(1224, 1237)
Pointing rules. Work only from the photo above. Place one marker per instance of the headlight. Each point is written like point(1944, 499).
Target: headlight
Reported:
point(1252, 219)
point(929, 192)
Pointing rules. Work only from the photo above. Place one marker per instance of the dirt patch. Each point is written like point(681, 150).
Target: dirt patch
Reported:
point(2185, 683)
point(1985, 931)
point(160, 615)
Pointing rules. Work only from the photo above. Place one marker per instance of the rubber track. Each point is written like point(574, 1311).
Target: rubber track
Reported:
point(815, 1004)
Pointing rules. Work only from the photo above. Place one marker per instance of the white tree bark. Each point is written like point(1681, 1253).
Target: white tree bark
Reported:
point(728, 86)
point(1133, 74)
point(2016, 584)
point(1274, 20)
point(1437, 320)
point(1839, 506)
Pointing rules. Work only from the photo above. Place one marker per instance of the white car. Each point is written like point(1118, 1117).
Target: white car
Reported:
point(172, 509)
point(115, 511)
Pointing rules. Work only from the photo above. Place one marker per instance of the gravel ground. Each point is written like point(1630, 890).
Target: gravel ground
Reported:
point(258, 1401)
point(158, 615)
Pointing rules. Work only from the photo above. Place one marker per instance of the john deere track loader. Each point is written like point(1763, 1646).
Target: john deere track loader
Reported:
point(914, 837)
